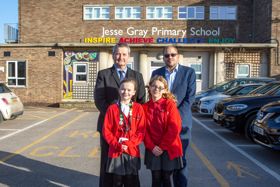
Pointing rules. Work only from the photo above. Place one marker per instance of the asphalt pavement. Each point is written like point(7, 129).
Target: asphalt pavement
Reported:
point(60, 147)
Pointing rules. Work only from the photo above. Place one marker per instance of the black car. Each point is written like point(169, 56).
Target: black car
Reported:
point(238, 113)
point(266, 129)
point(224, 86)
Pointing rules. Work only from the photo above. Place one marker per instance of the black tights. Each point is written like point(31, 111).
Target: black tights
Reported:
point(126, 180)
point(161, 178)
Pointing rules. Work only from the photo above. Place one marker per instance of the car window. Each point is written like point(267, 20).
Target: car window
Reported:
point(226, 86)
point(264, 89)
point(4, 89)
point(243, 82)
point(274, 91)
point(246, 90)
point(232, 91)
point(278, 92)
point(219, 84)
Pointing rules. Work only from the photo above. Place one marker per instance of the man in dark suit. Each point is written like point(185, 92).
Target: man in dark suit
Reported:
point(182, 83)
point(106, 93)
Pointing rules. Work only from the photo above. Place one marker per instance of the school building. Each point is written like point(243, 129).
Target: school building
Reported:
point(56, 49)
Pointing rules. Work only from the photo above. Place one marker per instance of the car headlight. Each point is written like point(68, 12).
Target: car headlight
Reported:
point(260, 118)
point(277, 119)
point(207, 102)
point(236, 107)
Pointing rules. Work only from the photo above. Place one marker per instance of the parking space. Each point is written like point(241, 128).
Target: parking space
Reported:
point(54, 147)
point(32, 117)
point(261, 157)
point(46, 141)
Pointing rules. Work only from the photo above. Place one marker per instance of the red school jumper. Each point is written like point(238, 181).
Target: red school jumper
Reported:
point(163, 127)
point(112, 130)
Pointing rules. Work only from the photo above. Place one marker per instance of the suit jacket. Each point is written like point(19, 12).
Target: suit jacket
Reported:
point(184, 88)
point(106, 90)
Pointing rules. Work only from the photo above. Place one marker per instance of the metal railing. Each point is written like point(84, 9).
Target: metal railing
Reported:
point(11, 33)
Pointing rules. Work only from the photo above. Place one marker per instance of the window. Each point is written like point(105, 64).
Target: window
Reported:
point(155, 65)
point(242, 70)
point(128, 13)
point(191, 12)
point(159, 12)
point(16, 73)
point(223, 12)
point(96, 12)
point(80, 72)
point(197, 69)
point(130, 65)
point(51, 53)
point(7, 53)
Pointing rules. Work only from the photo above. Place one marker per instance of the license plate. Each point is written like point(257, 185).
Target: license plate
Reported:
point(258, 130)
point(215, 116)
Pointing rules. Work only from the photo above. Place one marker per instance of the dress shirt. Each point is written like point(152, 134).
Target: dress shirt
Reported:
point(170, 76)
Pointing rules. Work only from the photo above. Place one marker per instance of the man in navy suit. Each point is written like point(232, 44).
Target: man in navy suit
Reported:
point(106, 93)
point(182, 83)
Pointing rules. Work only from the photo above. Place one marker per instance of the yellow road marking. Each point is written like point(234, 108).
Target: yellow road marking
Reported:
point(221, 180)
point(41, 139)
point(38, 152)
point(240, 170)
point(65, 153)
point(93, 153)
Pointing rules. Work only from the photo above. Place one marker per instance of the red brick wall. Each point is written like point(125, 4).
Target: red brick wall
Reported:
point(50, 21)
point(262, 20)
point(44, 73)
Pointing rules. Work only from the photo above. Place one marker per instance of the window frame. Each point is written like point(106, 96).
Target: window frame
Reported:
point(101, 8)
point(219, 12)
point(197, 72)
point(237, 75)
point(195, 12)
point(164, 9)
point(16, 78)
point(133, 10)
point(75, 73)
point(130, 65)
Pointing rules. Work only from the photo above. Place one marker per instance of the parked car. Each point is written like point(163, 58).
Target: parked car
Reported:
point(266, 129)
point(10, 104)
point(224, 86)
point(238, 113)
point(207, 104)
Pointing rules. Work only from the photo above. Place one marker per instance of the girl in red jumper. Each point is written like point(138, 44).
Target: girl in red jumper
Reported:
point(162, 139)
point(124, 129)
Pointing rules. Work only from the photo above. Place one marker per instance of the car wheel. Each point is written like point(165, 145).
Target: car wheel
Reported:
point(249, 127)
point(13, 117)
point(1, 118)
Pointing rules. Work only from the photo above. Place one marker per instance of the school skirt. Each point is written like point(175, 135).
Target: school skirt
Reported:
point(162, 162)
point(123, 165)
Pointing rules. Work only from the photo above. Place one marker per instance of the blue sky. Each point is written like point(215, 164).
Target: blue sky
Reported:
point(8, 14)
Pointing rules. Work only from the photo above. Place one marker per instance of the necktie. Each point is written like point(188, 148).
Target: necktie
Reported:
point(121, 75)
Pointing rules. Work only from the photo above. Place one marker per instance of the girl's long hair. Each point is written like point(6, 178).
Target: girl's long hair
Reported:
point(167, 94)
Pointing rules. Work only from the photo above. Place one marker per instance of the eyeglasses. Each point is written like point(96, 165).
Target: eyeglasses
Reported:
point(156, 87)
point(168, 55)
